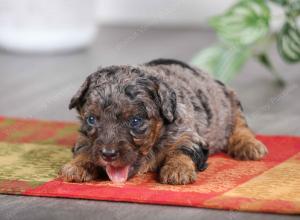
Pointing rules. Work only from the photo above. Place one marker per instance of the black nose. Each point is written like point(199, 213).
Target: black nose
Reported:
point(109, 154)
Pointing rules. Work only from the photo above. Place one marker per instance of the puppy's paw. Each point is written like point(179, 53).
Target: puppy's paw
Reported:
point(177, 173)
point(250, 149)
point(73, 173)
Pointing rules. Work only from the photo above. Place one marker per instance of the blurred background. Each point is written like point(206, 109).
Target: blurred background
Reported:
point(49, 47)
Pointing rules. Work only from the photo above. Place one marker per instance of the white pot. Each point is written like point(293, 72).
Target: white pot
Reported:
point(169, 12)
point(46, 26)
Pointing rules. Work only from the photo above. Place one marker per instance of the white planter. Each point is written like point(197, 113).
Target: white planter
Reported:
point(168, 12)
point(46, 26)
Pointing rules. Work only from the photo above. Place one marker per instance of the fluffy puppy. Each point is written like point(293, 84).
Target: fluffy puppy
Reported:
point(163, 116)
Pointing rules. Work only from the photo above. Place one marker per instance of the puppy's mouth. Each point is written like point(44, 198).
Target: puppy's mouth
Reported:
point(118, 174)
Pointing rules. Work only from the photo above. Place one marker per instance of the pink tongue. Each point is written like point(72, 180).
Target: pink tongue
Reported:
point(117, 174)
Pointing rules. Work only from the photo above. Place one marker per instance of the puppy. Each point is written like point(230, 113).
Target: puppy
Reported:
point(163, 116)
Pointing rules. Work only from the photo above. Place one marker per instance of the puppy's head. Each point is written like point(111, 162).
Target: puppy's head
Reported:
point(123, 111)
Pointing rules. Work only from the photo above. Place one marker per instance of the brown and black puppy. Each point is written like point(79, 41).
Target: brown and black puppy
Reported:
point(163, 116)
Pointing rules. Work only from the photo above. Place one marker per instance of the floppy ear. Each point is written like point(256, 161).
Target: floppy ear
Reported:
point(77, 99)
point(163, 95)
point(167, 99)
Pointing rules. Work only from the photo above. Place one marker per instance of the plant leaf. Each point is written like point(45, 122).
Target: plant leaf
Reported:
point(293, 9)
point(288, 42)
point(264, 59)
point(221, 61)
point(280, 2)
point(244, 23)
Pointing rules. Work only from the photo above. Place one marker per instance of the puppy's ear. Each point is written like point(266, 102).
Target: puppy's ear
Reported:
point(77, 99)
point(162, 94)
point(167, 99)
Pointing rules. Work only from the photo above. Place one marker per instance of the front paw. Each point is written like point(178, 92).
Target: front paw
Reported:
point(72, 173)
point(178, 173)
point(248, 150)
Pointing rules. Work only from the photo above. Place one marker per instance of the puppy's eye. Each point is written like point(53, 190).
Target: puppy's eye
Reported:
point(136, 122)
point(91, 120)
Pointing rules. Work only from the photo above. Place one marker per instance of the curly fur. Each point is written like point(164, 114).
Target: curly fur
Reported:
point(188, 115)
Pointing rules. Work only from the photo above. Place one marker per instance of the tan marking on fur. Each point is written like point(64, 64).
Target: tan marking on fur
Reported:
point(80, 169)
point(156, 162)
point(184, 139)
point(178, 169)
point(129, 111)
point(149, 141)
point(146, 144)
point(242, 143)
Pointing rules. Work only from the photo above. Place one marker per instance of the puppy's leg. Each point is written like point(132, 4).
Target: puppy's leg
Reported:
point(182, 163)
point(81, 168)
point(242, 143)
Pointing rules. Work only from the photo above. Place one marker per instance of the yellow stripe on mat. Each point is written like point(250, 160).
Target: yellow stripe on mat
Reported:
point(282, 182)
point(31, 162)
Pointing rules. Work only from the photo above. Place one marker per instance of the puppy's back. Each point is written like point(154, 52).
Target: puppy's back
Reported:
point(208, 101)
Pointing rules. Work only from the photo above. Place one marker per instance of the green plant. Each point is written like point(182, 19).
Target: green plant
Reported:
point(244, 32)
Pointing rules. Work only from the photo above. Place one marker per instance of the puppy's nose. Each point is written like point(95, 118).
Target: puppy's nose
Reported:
point(109, 154)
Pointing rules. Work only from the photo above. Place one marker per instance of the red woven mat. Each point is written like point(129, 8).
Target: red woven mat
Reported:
point(31, 152)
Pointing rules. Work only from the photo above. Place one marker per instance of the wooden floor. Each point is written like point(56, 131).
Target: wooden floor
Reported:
point(39, 86)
